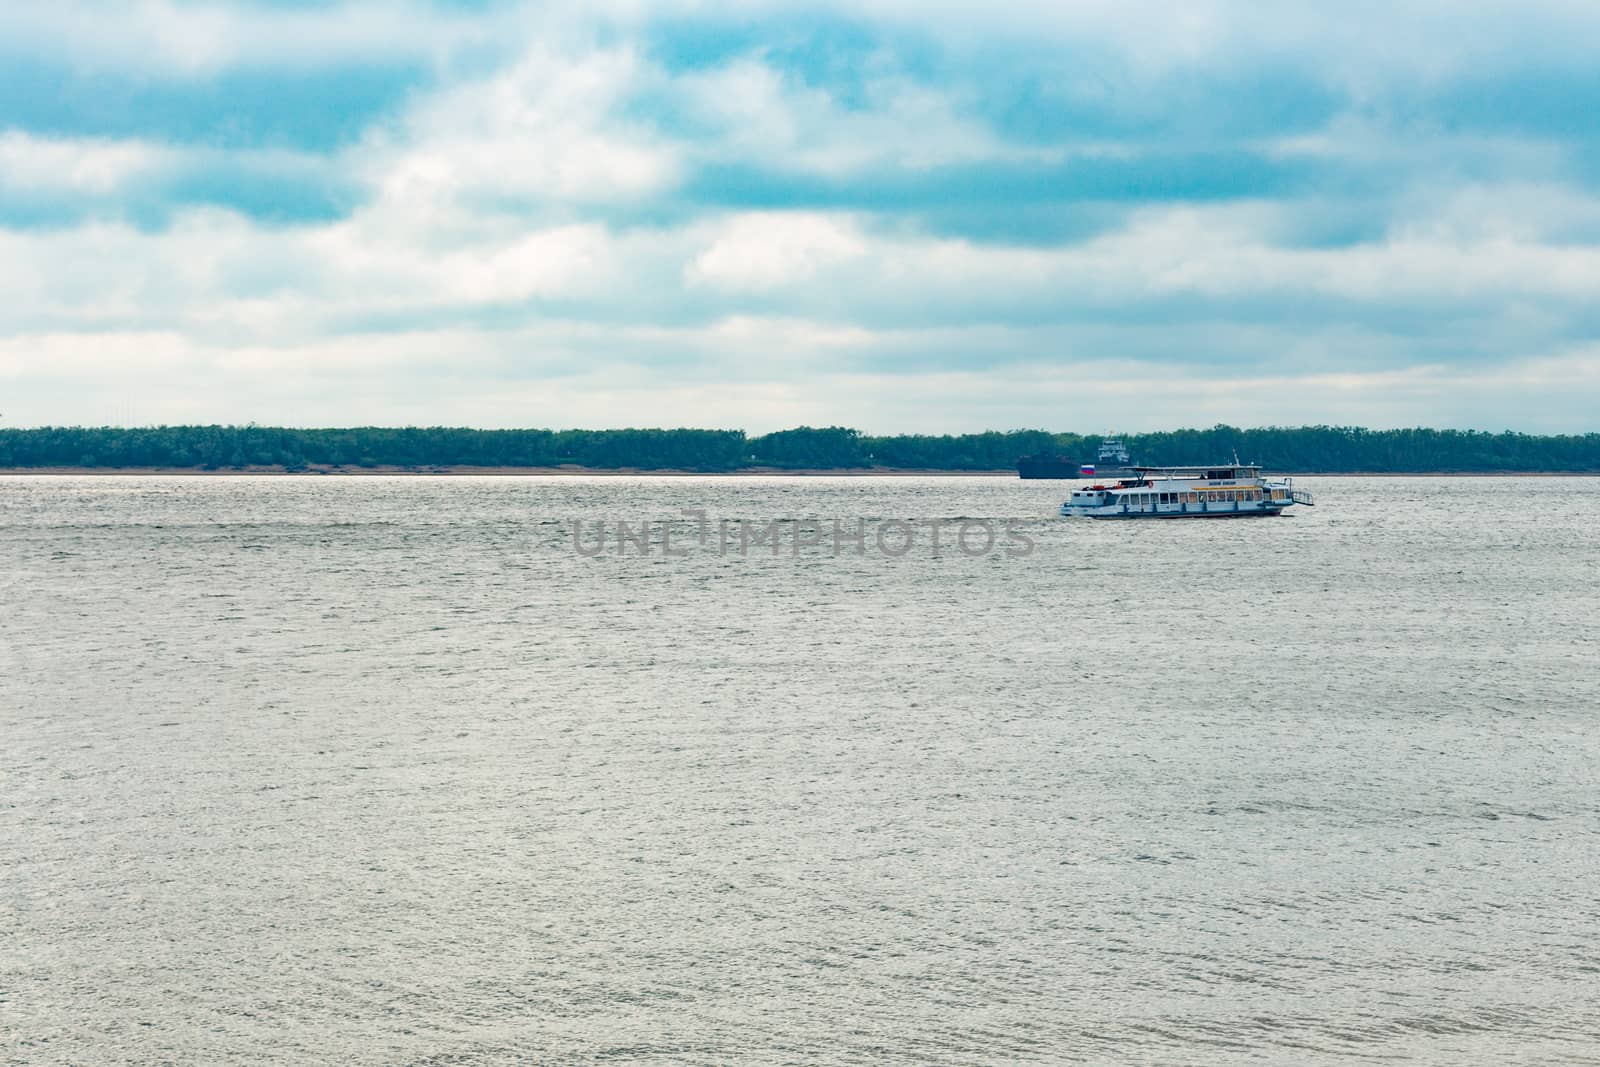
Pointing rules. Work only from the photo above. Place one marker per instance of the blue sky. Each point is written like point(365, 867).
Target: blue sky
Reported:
point(903, 217)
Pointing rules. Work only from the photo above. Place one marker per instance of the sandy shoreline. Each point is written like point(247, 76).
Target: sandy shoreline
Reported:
point(631, 472)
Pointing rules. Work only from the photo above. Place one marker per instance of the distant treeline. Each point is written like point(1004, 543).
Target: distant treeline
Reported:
point(1306, 448)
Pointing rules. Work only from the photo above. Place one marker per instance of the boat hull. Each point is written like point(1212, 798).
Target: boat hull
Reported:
point(1180, 515)
point(1248, 510)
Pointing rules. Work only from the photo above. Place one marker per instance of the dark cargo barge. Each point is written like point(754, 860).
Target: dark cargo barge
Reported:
point(1112, 461)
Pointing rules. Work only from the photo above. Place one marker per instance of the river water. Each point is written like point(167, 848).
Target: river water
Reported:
point(382, 770)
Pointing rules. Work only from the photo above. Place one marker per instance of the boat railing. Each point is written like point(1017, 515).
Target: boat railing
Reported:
point(1303, 496)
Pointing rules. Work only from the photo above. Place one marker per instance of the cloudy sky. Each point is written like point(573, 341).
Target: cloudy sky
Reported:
point(927, 216)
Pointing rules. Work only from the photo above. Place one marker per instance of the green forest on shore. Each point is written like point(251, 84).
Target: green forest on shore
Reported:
point(1305, 448)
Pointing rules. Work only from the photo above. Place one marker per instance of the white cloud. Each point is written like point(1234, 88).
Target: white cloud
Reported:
point(542, 132)
point(761, 116)
point(1360, 45)
point(566, 261)
point(539, 376)
point(83, 166)
point(771, 250)
point(217, 275)
point(498, 271)
point(172, 39)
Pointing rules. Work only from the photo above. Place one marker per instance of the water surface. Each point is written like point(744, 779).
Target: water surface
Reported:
point(383, 770)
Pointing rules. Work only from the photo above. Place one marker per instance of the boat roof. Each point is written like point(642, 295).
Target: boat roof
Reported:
point(1202, 469)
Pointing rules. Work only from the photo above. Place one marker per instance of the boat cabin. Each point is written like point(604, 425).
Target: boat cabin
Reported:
point(1202, 474)
point(1183, 491)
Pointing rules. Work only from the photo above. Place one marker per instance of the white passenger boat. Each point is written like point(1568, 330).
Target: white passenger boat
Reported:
point(1239, 491)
